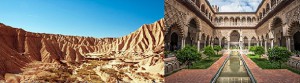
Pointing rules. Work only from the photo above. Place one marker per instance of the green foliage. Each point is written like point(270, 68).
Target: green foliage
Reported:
point(263, 63)
point(209, 51)
point(266, 64)
point(188, 54)
point(297, 53)
point(234, 47)
point(166, 53)
point(252, 48)
point(258, 50)
point(205, 63)
point(217, 48)
point(279, 55)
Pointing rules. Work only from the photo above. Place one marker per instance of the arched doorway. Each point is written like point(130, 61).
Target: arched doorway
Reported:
point(173, 37)
point(253, 41)
point(216, 41)
point(277, 31)
point(234, 39)
point(223, 42)
point(297, 41)
point(295, 33)
point(262, 41)
point(174, 42)
point(192, 33)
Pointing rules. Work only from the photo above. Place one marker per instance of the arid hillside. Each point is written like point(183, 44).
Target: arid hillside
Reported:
point(19, 47)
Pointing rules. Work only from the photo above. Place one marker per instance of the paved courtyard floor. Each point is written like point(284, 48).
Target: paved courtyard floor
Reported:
point(261, 75)
point(196, 75)
point(271, 75)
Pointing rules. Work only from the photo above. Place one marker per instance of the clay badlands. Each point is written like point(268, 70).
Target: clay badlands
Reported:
point(38, 57)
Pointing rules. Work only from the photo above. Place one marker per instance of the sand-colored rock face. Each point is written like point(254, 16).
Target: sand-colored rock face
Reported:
point(19, 47)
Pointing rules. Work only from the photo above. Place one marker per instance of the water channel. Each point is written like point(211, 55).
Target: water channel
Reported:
point(234, 71)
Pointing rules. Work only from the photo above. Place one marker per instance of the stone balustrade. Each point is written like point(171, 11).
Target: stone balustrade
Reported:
point(171, 65)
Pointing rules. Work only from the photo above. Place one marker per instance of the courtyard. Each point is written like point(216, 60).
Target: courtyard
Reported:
point(260, 75)
point(260, 46)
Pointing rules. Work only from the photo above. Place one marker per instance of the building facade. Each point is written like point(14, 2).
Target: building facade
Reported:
point(196, 22)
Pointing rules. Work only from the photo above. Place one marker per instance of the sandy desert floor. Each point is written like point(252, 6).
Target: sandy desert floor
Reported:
point(120, 69)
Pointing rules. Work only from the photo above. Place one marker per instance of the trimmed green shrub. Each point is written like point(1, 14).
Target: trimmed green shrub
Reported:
point(166, 53)
point(297, 53)
point(188, 55)
point(258, 50)
point(279, 55)
point(217, 48)
point(209, 51)
point(252, 48)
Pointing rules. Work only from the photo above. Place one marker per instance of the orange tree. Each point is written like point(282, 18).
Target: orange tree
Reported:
point(258, 50)
point(188, 55)
point(279, 55)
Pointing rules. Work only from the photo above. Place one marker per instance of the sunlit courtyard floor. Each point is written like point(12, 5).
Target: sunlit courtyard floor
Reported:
point(260, 75)
point(271, 75)
point(196, 75)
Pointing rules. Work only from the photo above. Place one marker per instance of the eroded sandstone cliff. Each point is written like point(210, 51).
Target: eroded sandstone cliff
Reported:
point(19, 47)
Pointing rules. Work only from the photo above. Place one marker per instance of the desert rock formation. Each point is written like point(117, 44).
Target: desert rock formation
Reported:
point(19, 47)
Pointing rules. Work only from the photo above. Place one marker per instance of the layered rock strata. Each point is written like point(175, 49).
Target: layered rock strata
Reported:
point(19, 47)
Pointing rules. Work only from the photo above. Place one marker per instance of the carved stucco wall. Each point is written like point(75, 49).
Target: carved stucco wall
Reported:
point(176, 13)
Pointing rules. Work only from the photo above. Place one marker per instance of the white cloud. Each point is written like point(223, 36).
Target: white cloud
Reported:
point(236, 5)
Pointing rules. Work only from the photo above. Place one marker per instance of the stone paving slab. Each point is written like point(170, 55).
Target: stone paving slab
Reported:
point(271, 75)
point(196, 75)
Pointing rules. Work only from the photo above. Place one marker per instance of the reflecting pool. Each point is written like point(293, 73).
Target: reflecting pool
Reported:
point(234, 71)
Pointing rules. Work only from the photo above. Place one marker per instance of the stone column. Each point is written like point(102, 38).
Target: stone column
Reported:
point(182, 43)
point(212, 43)
point(198, 45)
point(272, 43)
point(228, 45)
point(249, 44)
point(241, 43)
point(220, 42)
point(266, 44)
point(288, 43)
point(209, 41)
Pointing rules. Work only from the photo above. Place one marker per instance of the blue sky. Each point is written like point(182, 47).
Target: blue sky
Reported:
point(238, 5)
point(96, 18)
